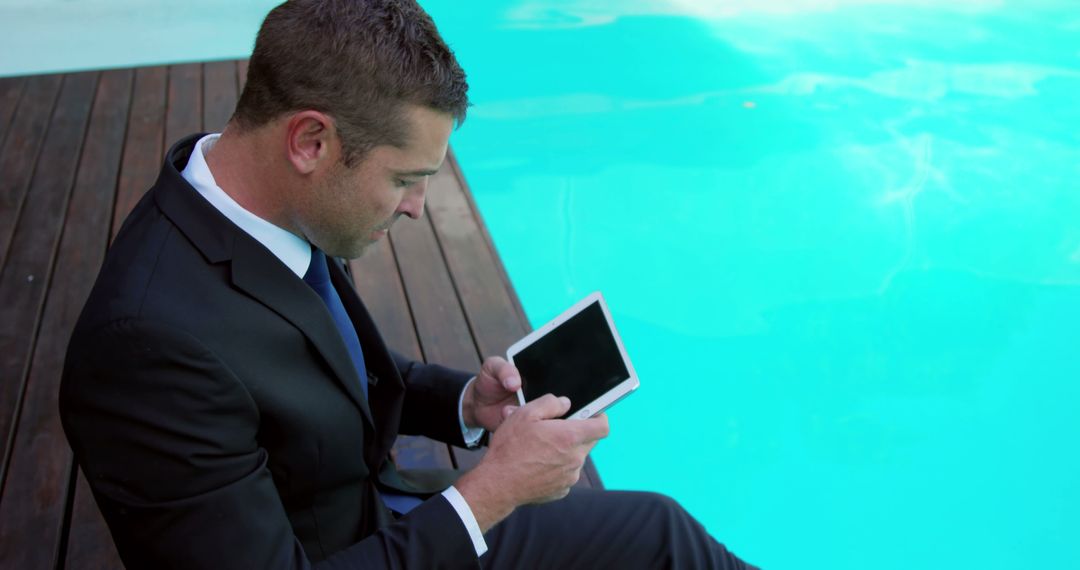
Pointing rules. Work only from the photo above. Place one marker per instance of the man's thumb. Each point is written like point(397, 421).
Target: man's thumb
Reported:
point(548, 406)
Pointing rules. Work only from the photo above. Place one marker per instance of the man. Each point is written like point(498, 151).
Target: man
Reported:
point(226, 392)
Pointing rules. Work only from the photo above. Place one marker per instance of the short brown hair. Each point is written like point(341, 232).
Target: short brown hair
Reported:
point(358, 61)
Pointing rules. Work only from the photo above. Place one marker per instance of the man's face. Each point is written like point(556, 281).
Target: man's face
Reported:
point(349, 208)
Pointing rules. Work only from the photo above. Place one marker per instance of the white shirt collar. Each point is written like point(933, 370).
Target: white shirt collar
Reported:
point(292, 250)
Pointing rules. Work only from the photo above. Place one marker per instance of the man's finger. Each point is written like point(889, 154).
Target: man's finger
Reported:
point(493, 364)
point(547, 406)
point(511, 381)
point(593, 429)
point(588, 446)
point(503, 372)
point(507, 411)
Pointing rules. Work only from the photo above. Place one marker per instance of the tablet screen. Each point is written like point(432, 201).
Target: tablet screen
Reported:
point(578, 359)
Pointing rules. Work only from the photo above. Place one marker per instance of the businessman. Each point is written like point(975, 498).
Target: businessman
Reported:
point(226, 392)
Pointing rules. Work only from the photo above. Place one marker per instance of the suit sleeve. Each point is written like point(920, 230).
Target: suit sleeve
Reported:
point(431, 400)
point(166, 436)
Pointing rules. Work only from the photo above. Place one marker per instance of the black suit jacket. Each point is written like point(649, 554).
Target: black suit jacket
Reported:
point(214, 409)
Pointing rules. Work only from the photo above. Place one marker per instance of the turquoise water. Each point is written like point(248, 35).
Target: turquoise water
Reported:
point(841, 240)
point(843, 248)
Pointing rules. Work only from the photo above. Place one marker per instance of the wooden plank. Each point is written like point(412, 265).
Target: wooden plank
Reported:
point(519, 309)
point(241, 74)
point(379, 284)
point(440, 324)
point(90, 546)
point(219, 94)
point(143, 145)
point(183, 112)
point(473, 266)
point(35, 485)
point(19, 153)
point(449, 214)
point(81, 253)
point(11, 89)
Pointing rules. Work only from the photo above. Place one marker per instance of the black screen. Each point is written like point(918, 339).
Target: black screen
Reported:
point(579, 360)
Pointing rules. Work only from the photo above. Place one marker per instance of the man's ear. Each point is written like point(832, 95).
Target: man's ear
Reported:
point(311, 140)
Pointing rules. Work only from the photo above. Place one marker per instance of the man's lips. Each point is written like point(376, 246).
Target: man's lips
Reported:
point(385, 228)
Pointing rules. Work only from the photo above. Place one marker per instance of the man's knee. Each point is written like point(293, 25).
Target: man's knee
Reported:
point(687, 543)
point(661, 504)
point(665, 502)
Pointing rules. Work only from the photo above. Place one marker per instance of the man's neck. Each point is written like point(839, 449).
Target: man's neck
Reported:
point(248, 177)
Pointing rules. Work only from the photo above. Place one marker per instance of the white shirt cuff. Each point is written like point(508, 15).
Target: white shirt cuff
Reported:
point(467, 517)
point(472, 435)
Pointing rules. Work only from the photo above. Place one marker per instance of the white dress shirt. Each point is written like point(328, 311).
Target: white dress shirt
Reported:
point(295, 253)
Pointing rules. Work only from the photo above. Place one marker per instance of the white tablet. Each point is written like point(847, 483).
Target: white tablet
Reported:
point(578, 355)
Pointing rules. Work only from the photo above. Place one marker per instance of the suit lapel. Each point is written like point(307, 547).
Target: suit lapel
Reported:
point(259, 274)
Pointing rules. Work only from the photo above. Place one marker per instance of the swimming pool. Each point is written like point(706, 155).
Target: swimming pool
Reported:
point(840, 240)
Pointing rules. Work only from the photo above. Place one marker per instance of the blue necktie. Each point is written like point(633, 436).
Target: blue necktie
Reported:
point(318, 278)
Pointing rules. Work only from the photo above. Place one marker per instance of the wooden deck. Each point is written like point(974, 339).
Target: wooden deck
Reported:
point(76, 152)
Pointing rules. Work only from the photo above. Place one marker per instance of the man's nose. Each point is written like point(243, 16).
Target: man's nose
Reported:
point(412, 204)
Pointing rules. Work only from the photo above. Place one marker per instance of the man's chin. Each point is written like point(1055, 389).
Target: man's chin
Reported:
point(356, 248)
point(349, 251)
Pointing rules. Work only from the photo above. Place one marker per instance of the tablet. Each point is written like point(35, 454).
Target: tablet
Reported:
point(578, 355)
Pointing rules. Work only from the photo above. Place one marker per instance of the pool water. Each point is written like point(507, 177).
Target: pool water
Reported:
point(841, 240)
point(843, 248)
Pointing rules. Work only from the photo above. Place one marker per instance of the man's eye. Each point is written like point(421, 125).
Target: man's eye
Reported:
point(402, 183)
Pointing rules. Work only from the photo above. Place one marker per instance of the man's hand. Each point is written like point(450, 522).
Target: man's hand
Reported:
point(533, 458)
point(492, 396)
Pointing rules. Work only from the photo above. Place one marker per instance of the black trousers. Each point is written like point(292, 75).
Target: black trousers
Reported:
point(594, 529)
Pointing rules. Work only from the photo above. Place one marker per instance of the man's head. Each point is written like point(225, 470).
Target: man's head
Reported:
point(365, 94)
point(358, 61)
